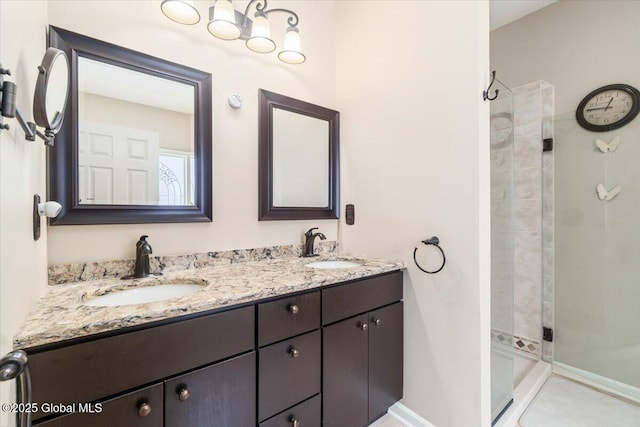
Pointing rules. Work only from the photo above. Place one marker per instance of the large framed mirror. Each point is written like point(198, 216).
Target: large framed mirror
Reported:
point(299, 158)
point(135, 146)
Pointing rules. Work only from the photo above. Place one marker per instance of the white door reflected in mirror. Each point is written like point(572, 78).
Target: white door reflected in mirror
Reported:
point(136, 137)
point(300, 160)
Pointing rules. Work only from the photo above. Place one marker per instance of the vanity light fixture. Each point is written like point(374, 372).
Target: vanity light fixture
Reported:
point(226, 23)
point(181, 11)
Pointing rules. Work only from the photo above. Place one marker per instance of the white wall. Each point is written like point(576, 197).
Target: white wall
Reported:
point(576, 46)
point(23, 262)
point(140, 25)
point(415, 156)
point(174, 128)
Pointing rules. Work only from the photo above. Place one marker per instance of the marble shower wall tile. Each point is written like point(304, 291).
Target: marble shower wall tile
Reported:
point(78, 272)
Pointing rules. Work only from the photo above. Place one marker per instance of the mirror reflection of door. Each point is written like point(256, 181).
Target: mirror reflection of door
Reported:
point(300, 160)
point(117, 165)
point(136, 137)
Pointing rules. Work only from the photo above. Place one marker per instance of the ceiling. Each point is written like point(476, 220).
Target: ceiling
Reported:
point(505, 11)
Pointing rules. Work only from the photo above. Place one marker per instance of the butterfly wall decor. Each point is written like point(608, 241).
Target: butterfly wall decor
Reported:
point(610, 147)
point(605, 195)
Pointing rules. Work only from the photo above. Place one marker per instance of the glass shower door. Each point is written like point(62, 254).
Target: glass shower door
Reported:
point(502, 262)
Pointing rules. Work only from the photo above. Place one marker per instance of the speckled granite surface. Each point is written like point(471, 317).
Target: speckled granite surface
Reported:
point(77, 272)
point(61, 315)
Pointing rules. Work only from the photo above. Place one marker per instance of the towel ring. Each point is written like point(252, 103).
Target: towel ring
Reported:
point(435, 242)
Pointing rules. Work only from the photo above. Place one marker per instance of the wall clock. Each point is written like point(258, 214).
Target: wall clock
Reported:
point(609, 107)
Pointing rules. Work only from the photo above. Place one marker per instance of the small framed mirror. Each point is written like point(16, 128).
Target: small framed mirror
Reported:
point(298, 159)
point(135, 146)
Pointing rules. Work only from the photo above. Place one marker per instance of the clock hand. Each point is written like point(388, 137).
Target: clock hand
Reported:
point(593, 109)
point(607, 107)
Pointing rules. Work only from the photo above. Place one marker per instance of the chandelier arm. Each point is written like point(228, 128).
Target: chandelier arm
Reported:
point(260, 6)
point(293, 20)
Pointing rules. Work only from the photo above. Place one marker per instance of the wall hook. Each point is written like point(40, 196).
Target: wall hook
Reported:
point(485, 94)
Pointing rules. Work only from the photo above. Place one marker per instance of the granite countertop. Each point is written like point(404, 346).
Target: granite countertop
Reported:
point(61, 314)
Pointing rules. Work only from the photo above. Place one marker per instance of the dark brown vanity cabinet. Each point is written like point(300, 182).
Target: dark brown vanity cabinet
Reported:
point(362, 355)
point(329, 357)
point(216, 351)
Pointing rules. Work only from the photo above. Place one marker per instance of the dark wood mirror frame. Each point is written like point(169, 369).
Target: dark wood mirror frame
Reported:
point(63, 158)
point(268, 212)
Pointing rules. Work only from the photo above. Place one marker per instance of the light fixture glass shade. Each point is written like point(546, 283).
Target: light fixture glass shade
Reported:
point(291, 52)
point(181, 11)
point(260, 40)
point(222, 22)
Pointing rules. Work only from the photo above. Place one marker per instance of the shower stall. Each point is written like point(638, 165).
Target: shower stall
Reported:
point(565, 230)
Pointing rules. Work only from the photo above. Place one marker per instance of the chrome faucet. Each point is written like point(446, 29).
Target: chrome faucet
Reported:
point(143, 250)
point(310, 237)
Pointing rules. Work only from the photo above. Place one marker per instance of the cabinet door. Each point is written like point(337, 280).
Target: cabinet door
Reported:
point(385, 358)
point(142, 408)
point(345, 372)
point(221, 395)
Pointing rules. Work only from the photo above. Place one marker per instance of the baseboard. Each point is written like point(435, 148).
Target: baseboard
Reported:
point(407, 416)
point(599, 382)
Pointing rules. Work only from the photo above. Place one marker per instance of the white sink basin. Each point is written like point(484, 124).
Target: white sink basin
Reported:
point(332, 264)
point(143, 294)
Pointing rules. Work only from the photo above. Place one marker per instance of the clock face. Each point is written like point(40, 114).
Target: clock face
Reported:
point(608, 107)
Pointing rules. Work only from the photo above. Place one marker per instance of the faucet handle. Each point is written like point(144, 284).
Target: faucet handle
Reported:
point(142, 241)
point(310, 231)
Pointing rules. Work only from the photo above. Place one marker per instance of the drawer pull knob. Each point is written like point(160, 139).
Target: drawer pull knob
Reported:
point(294, 421)
point(293, 309)
point(294, 352)
point(144, 409)
point(363, 326)
point(377, 322)
point(183, 394)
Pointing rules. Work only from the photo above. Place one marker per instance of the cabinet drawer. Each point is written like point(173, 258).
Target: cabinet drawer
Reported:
point(89, 371)
point(123, 411)
point(306, 413)
point(287, 317)
point(358, 297)
point(289, 372)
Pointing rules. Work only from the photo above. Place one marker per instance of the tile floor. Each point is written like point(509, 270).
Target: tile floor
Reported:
point(565, 403)
point(388, 421)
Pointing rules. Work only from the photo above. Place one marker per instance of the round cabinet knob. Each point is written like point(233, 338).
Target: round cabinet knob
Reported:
point(377, 322)
point(293, 309)
point(144, 409)
point(363, 326)
point(294, 352)
point(294, 421)
point(183, 394)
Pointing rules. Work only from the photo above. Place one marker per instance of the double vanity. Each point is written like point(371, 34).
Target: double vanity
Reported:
point(279, 342)
point(243, 338)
